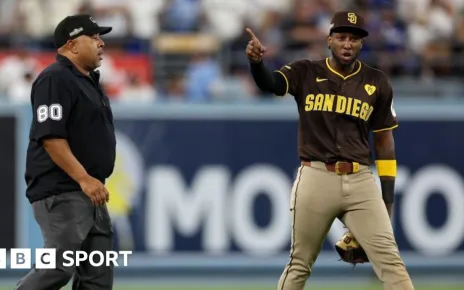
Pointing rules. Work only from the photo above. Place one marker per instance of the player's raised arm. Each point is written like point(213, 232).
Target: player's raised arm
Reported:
point(266, 80)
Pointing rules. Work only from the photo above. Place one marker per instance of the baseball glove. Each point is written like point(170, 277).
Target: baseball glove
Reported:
point(350, 251)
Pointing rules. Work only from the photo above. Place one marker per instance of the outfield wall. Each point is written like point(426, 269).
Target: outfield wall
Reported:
point(204, 189)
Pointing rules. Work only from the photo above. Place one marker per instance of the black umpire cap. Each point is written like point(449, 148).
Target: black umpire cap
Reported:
point(76, 25)
point(345, 20)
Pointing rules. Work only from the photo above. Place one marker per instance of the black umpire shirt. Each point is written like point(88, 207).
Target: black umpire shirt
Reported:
point(68, 104)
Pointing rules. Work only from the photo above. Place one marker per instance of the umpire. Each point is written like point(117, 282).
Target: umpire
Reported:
point(71, 152)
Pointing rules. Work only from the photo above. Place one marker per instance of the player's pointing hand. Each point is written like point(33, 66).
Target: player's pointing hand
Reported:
point(254, 50)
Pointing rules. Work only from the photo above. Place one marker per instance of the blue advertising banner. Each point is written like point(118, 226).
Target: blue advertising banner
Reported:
point(213, 184)
point(223, 186)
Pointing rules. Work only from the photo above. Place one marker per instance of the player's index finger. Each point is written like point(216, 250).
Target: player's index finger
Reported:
point(252, 35)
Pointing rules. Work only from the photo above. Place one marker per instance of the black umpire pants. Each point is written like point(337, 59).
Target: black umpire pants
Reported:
point(70, 222)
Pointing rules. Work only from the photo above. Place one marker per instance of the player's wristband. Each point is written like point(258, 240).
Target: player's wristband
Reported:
point(386, 167)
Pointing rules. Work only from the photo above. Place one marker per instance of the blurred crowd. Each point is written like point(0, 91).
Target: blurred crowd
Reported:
point(195, 48)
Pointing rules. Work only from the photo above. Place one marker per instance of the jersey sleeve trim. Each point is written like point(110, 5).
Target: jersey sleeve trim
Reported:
point(385, 129)
point(286, 82)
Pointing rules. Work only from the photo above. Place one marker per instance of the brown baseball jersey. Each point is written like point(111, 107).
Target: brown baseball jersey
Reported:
point(336, 112)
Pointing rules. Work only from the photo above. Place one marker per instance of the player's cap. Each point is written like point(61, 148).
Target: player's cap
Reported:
point(346, 20)
point(76, 25)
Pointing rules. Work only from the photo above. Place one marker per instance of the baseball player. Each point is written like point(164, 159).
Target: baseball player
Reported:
point(340, 100)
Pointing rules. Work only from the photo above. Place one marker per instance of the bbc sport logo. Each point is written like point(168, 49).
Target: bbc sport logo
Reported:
point(45, 258)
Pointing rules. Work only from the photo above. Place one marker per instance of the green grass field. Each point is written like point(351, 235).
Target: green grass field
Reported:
point(339, 287)
point(274, 288)
point(239, 288)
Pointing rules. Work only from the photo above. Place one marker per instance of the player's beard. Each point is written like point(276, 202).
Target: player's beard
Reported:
point(342, 63)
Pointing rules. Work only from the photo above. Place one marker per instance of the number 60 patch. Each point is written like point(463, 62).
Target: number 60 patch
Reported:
point(53, 112)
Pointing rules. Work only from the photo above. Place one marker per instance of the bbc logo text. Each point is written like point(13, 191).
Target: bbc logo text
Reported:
point(46, 258)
